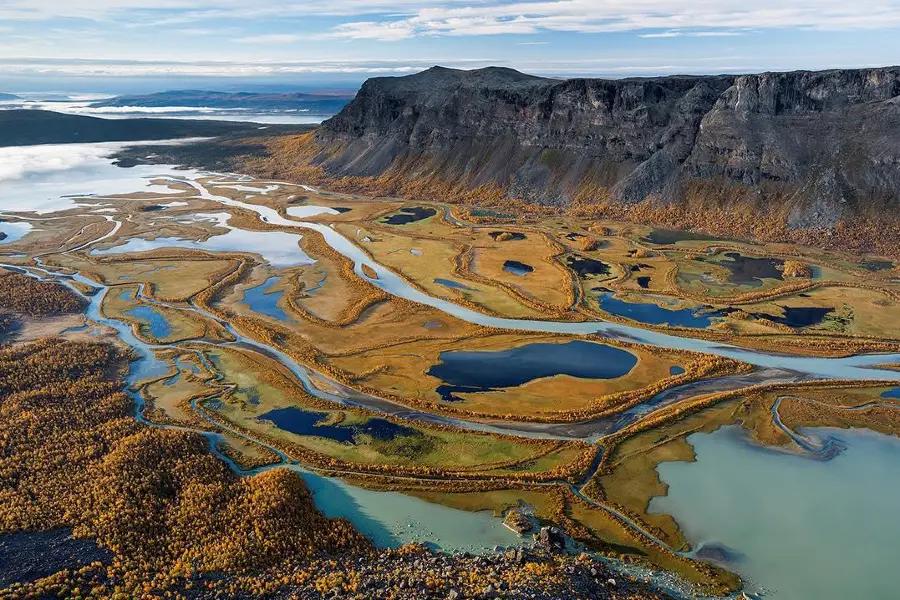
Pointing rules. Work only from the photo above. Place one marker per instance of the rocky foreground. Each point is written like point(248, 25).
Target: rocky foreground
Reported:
point(414, 572)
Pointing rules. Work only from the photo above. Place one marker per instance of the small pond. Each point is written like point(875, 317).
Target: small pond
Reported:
point(264, 300)
point(894, 393)
point(409, 215)
point(587, 266)
point(452, 284)
point(153, 321)
point(517, 268)
point(480, 371)
point(653, 314)
point(644, 282)
point(747, 270)
point(877, 265)
point(303, 422)
point(667, 237)
point(800, 316)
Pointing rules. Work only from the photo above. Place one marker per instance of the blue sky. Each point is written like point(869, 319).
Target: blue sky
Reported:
point(108, 45)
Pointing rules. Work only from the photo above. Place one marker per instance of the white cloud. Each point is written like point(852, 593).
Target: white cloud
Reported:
point(663, 34)
point(18, 162)
point(271, 38)
point(702, 17)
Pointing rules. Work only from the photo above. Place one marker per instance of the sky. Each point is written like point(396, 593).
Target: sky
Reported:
point(115, 46)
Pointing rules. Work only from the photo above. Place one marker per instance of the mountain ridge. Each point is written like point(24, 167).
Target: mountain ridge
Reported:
point(815, 147)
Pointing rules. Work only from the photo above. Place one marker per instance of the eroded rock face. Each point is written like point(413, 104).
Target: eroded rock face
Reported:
point(817, 144)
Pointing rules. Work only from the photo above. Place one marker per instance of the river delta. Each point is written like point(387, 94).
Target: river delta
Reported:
point(428, 370)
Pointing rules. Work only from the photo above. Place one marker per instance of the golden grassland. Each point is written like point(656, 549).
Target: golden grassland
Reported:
point(183, 324)
point(719, 208)
point(351, 332)
point(253, 385)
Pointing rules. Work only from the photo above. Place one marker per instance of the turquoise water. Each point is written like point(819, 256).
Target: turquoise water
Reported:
point(264, 300)
point(806, 529)
point(390, 519)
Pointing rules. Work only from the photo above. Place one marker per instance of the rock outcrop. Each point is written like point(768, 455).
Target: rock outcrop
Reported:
point(813, 147)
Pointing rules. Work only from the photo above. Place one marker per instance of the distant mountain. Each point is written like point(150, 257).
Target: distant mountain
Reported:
point(4, 97)
point(27, 127)
point(314, 103)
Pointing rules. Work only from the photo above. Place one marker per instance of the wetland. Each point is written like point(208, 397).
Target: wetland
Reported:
point(424, 394)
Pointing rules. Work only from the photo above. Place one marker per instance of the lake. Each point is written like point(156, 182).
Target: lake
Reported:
point(480, 371)
point(805, 528)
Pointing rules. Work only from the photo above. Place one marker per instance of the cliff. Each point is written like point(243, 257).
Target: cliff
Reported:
point(813, 148)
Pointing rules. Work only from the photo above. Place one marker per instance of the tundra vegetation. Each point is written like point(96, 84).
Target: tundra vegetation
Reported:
point(177, 520)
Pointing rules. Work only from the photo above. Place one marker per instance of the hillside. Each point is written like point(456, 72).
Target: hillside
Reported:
point(30, 127)
point(318, 103)
point(810, 150)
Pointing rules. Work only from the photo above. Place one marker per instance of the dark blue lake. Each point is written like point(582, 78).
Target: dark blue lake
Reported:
point(303, 422)
point(517, 268)
point(748, 270)
point(480, 371)
point(264, 300)
point(152, 319)
point(894, 393)
point(409, 215)
point(653, 314)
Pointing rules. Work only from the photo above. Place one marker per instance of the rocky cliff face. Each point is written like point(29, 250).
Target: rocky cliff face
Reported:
point(814, 147)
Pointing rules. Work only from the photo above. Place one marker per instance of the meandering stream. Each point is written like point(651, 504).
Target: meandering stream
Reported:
point(390, 518)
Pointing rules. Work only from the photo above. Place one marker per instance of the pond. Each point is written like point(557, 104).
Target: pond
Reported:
point(153, 321)
point(452, 284)
point(667, 237)
point(653, 314)
point(894, 393)
point(747, 270)
point(481, 371)
point(409, 215)
point(799, 316)
point(303, 422)
point(264, 300)
point(804, 528)
point(877, 265)
point(587, 266)
point(644, 282)
point(517, 268)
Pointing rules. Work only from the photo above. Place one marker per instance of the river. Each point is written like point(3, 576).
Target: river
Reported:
point(392, 518)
